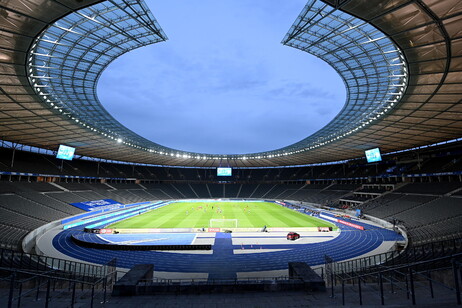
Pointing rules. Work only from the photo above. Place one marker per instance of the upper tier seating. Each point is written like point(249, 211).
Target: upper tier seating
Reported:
point(430, 188)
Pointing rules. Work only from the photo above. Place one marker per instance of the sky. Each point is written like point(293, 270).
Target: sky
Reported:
point(222, 83)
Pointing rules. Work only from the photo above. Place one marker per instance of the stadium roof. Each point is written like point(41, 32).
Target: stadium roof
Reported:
point(401, 61)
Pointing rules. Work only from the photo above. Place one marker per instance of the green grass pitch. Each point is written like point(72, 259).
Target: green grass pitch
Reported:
point(198, 215)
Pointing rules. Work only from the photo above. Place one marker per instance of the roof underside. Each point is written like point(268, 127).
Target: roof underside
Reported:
point(393, 104)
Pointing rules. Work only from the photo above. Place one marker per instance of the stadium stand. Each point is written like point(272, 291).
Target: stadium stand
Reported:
point(159, 191)
point(426, 206)
point(437, 188)
point(16, 203)
point(216, 190)
point(186, 191)
point(41, 202)
point(401, 204)
point(231, 190)
point(45, 200)
point(200, 190)
point(247, 190)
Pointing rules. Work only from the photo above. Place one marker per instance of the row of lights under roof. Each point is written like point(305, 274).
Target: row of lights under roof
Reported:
point(119, 140)
point(112, 136)
point(389, 104)
point(364, 123)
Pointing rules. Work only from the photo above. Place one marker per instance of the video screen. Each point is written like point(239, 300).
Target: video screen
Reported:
point(65, 152)
point(373, 155)
point(224, 171)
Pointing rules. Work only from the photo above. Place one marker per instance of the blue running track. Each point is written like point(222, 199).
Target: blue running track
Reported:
point(223, 263)
point(138, 239)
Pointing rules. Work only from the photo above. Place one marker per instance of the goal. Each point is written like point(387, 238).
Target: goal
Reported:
point(223, 223)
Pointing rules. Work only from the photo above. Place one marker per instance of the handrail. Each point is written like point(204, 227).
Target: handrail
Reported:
point(436, 281)
point(35, 274)
point(10, 258)
point(104, 283)
point(217, 281)
point(393, 256)
point(408, 272)
point(405, 266)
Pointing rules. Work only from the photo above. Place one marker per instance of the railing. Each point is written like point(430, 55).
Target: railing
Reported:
point(410, 255)
point(402, 279)
point(206, 281)
point(27, 287)
point(54, 279)
point(10, 259)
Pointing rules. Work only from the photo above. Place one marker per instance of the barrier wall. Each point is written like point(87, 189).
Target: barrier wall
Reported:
point(199, 230)
point(29, 240)
point(156, 230)
point(343, 222)
point(139, 247)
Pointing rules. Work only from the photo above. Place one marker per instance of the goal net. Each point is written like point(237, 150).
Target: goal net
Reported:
point(223, 223)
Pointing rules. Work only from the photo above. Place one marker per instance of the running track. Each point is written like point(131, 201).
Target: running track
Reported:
point(349, 244)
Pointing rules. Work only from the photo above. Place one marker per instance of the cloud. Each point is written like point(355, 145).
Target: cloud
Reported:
point(222, 83)
point(302, 90)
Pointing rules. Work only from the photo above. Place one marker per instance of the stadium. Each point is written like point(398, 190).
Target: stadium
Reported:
point(366, 210)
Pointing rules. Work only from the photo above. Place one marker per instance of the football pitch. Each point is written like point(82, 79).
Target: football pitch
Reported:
point(199, 214)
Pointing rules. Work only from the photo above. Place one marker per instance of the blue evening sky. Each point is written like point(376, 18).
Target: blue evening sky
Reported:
point(223, 83)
